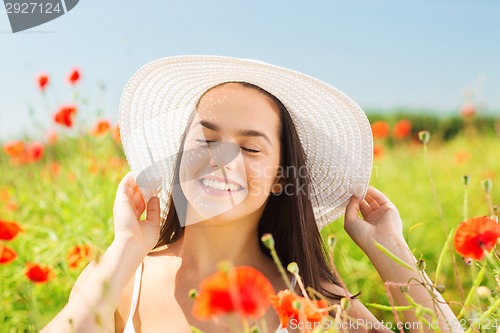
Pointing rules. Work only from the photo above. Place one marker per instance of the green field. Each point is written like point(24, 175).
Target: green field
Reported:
point(60, 209)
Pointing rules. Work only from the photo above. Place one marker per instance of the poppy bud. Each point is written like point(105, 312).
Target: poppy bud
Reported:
point(293, 268)
point(332, 240)
point(268, 241)
point(487, 184)
point(466, 180)
point(297, 304)
point(193, 293)
point(440, 288)
point(424, 136)
point(254, 329)
point(225, 266)
point(345, 303)
point(483, 292)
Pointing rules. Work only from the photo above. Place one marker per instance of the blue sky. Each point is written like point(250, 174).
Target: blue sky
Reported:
point(383, 54)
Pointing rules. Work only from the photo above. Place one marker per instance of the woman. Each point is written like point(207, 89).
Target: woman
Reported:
point(224, 150)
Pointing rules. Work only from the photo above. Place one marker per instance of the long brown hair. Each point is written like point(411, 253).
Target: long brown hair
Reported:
point(289, 218)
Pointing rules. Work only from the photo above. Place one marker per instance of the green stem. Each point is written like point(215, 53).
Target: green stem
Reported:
point(277, 261)
point(389, 308)
point(441, 256)
point(472, 291)
point(466, 202)
point(490, 204)
point(433, 189)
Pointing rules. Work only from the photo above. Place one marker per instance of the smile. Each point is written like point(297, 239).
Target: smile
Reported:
point(214, 186)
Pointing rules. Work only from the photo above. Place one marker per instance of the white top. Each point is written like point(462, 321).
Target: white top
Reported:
point(129, 327)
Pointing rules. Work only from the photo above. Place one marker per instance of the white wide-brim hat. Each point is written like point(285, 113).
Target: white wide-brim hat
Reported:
point(335, 133)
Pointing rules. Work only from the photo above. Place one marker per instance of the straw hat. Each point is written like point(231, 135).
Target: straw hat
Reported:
point(159, 98)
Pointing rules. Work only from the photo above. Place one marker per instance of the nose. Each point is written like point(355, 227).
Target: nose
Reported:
point(224, 154)
point(231, 165)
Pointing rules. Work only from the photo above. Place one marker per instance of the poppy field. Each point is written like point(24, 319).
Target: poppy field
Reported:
point(57, 193)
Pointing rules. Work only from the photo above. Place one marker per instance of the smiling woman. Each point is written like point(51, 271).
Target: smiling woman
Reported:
point(226, 164)
point(207, 140)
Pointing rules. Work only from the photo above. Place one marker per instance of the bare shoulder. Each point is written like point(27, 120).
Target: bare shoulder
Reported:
point(123, 308)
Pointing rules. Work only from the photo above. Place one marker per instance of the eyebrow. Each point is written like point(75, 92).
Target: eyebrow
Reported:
point(242, 132)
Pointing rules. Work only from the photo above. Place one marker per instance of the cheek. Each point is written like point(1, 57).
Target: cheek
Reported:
point(193, 160)
point(261, 176)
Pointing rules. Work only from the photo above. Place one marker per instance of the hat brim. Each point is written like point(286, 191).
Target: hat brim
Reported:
point(334, 131)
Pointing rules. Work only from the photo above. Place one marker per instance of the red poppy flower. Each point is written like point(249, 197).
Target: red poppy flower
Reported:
point(7, 255)
point(34, 152)
point(282, 304)
point(102, 127)
point(309, 310)
point(9, 230)
point(380, 129)
point(476, 235)
point(65, 116)
point(378, 151)
point(78, 254)
point(243, 290)
point(14, 148)
point(402, 129)
point(74, 76)
point(21, 152)
point(43, 80)
point(468, 110)
point(39, 273)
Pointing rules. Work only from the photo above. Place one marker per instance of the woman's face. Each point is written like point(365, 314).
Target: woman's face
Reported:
point(231, 155)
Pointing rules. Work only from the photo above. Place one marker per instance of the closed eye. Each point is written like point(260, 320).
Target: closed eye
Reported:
point(252, 151)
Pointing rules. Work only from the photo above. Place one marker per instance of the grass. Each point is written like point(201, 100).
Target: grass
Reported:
point(75, 207)
point(401, 174)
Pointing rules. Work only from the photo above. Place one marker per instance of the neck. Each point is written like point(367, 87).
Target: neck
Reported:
point(206, 244)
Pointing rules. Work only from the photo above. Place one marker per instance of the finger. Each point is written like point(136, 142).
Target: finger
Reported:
point(153, 210)
point(378, 196)
point(138, 202)
point(372, 202)
point(137, 198)
point(365, 208)
point(127, 182)
point(352, 209)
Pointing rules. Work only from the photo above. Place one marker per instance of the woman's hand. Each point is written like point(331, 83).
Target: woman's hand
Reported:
point(127, 210)
point(381, 222)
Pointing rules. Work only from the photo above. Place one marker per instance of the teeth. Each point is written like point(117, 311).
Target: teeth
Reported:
point(220, 186)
